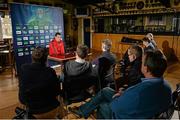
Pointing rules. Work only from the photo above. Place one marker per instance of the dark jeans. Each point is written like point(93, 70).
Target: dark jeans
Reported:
point(52, 63)
point(100, 101)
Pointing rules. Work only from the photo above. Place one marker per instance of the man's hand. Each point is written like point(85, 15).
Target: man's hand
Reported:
point(119, 93)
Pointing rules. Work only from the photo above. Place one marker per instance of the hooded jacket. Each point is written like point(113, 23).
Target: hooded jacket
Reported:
point(74, 68)
point(78, 77)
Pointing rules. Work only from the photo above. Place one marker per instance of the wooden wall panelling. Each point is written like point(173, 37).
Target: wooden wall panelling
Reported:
point(174, 41)
point(96, 40)
point(175, 45)
point(115, 38)
point(178, 46)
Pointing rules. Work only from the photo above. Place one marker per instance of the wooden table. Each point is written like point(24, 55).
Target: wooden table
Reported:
point(63, 58)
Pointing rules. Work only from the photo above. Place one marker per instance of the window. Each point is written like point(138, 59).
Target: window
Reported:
point(155, 20)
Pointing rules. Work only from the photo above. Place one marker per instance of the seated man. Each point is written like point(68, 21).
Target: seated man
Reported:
point(78, 73)
point(106, 48)
point(144, 100)
point(151, 37)
point(56, 46)
point(133, 74)
point(38, 86)
point(107, 59)
point(148, 45)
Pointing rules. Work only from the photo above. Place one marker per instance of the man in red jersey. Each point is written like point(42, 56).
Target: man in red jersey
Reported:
point(56, 46)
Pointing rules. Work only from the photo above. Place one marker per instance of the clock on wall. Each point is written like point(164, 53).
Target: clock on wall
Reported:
point(140, 5)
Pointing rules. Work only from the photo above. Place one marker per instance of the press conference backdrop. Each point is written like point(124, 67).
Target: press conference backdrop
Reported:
point(33, 25)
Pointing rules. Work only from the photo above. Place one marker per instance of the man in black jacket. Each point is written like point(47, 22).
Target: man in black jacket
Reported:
point(103, 65)
point(133, 72)
point(38, 86)
point(106, 52)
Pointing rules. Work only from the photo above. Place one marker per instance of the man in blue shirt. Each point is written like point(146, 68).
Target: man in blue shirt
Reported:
point(144, 100)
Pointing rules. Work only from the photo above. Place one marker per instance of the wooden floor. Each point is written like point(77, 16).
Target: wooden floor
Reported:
point(9, 89)
point(8, 94)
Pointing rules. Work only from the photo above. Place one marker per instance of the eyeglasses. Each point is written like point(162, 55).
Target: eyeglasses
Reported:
point(130, 54)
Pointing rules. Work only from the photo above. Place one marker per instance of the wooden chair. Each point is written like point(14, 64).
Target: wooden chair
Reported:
point(7, 55)
point(74, 89)
point(106, 73)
